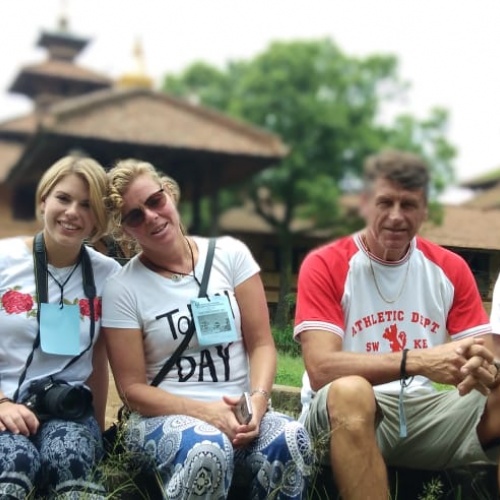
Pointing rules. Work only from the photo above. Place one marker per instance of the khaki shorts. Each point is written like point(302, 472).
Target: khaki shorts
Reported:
point(441, 429)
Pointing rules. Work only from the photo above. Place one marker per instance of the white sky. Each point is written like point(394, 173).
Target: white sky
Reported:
point(448, 49)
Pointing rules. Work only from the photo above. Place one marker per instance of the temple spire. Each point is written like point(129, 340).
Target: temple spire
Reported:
point(137, 76)
point(63, 23)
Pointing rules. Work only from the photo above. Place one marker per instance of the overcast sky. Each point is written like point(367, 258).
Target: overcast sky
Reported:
point(448, 49)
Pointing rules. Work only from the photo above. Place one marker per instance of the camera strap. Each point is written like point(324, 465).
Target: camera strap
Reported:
point(189, 335)
point(41, 281)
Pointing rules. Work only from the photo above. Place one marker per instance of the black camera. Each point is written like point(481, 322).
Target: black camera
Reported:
point(49, 398)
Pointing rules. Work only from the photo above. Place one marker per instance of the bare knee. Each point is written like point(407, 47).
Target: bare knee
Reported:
point(488, 429)
point(351, 402)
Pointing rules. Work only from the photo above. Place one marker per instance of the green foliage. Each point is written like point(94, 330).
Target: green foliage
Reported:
point(428, 139)
point(283, 338)
point(192, 84)
point(433, 490)
point(326, 106)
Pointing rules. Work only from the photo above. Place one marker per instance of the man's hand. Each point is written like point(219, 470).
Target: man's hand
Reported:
point(466, 364)
point(479, 371)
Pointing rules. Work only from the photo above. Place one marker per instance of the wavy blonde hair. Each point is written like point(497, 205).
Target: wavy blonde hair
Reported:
point(94, 176)
point(119, 179)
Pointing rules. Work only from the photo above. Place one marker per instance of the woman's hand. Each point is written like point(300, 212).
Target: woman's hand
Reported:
point(244, 434)
point(18, 419)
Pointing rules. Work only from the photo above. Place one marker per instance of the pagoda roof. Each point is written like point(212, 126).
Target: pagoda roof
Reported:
point(49, 39)
point(10, 153)
point(24, 124)
point(483, 228)
point(57, 69)
point(486, 199)
point(190, 142)
point(148, 117)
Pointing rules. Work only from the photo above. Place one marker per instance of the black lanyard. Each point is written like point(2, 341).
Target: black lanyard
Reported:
point(185, 341)
point(63, 284)
point(41, 280)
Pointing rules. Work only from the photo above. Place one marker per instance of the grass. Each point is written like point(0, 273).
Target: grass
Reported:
point(290, 370)
point(120, 472)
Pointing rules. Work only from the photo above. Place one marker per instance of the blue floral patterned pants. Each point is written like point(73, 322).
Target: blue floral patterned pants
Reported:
point(59, 461)
point(196, 460)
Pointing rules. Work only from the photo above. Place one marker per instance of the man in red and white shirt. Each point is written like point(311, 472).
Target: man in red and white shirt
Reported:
point(375, 315)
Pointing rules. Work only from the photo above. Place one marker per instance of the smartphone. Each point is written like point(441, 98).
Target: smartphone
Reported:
point(243, 410)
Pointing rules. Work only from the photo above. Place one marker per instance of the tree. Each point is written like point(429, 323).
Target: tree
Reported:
point(325, 105)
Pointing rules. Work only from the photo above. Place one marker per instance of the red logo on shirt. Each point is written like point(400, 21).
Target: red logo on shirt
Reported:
point(397, 340)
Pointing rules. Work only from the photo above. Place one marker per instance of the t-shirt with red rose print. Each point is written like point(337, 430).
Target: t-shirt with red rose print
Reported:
point(18, 309)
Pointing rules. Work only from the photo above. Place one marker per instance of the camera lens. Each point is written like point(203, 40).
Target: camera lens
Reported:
point(67, 402)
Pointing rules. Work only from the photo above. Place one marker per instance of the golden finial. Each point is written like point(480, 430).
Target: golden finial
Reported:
point(138, 76)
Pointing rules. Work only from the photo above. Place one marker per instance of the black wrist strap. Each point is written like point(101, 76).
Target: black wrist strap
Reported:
point(402, 370)
point(189, 335)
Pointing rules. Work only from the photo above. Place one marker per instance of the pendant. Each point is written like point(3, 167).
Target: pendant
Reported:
point(176, 277)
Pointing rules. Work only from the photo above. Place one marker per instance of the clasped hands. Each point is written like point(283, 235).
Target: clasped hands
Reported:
point(467, 364)
point(221, 414)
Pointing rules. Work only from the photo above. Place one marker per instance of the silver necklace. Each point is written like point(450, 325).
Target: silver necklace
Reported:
point(175, 275)
point(377, 286)
point(382, 296)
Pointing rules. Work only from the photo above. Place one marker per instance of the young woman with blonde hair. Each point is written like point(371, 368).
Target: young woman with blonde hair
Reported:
point(53, 363)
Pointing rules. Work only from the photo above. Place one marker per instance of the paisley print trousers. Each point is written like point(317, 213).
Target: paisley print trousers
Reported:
point(58, 462)
point(196, 461)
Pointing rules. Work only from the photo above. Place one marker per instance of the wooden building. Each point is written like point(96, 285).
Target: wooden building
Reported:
point(77, 110)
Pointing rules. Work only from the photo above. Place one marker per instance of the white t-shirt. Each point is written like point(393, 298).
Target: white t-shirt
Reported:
point(18, 316)
point(137, 297)
point(435, 298)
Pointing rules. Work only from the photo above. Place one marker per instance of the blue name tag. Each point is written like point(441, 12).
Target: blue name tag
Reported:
point(60, 329)
point(213, 320)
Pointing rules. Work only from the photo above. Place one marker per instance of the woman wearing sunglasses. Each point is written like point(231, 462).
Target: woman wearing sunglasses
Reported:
point(51, 352)
point(195, 426)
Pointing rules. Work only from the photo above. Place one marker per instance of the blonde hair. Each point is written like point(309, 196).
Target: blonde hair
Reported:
point(119, 179)
point(94, 176)
point(172, 187)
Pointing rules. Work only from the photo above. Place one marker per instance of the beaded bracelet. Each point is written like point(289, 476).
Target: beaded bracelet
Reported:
point(6, 400)
point(259, 390)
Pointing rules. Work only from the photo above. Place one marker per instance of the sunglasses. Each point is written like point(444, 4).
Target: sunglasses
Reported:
point(136, 216)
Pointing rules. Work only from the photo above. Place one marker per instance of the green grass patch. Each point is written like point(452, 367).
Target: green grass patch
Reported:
point(442, 387)
point(290, 370)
